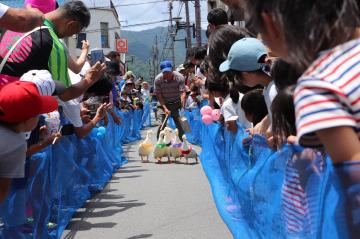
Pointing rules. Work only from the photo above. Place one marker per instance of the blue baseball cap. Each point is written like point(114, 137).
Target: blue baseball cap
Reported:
point(244, 55)
point(166, 66)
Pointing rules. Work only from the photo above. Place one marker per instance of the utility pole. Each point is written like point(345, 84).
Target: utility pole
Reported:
point(197, 23)
point(155, 63)
point(171, 31)
point(188, 33)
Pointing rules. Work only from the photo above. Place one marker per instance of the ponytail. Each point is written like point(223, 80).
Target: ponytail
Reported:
point(234, 93)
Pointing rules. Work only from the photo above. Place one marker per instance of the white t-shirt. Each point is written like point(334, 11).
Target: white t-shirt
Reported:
point(270, 93)
point(71, 110)
point(190, 103)
point(232, 111)
point(3, 9)
point(76, 78)
point(145, 94)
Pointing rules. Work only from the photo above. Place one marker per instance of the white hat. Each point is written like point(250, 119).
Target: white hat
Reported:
point(44, 82)
point(180, 68)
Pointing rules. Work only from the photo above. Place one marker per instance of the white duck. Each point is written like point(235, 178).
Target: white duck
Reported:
point(146, 147)
point(187, 151)
point(168, 132)
point(159, 147)
point(175, 147)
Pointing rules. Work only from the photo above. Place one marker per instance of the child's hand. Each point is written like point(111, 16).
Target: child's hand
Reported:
point(43, 132)
point(247, 141)
point(291, 139)
point(270, 142)
point(48, 140)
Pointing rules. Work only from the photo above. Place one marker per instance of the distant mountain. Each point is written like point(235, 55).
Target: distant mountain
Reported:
point(142, 42)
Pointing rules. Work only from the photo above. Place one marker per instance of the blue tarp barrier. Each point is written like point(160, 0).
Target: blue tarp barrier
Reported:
point(291, 193)
point(60, 179)
point(194, 119)
point(146, 118)
point(133, 120)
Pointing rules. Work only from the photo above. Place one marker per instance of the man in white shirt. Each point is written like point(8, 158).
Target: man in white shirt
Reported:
point(20, 20)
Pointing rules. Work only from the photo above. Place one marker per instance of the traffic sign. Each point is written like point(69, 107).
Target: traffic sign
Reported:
point(122, 45)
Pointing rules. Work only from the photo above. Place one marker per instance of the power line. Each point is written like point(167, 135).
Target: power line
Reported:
point(137, 4)
point(142, 3)
point(133, 25)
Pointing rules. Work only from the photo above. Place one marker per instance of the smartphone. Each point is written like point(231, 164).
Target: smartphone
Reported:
point(97, 55)
point(93, 107)
point(80, 37)
point(67, 129)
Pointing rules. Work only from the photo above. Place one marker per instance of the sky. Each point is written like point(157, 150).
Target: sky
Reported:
point(130, 15)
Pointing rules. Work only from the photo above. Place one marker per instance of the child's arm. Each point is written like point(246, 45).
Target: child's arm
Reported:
point(47, 141)
point(341, 143)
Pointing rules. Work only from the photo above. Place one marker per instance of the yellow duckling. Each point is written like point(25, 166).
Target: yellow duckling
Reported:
point(146, 147)
point(159, 150)
point(187, 151)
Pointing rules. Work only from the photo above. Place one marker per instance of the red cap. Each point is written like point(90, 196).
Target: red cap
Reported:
point(20, 101)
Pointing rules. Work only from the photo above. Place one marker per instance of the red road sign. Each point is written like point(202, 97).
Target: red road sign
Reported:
point(122, 45)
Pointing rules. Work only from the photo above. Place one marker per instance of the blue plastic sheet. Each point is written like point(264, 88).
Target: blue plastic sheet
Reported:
point(291, 193)
point(194, 119)
point(60, 179)
point(146, 118)
point(133, 120)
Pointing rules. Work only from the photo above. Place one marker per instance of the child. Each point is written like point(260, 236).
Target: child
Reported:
point(254, 106)
point(327, 95)
point(145, 92)
point(231, 106)
point(247, 58)
point(20, 105)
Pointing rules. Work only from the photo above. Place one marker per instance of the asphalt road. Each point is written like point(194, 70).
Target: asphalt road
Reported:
point(148, 200)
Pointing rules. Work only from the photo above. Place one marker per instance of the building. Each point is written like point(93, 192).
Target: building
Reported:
point(103, 30)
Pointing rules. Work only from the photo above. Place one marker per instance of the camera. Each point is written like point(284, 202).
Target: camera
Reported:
point(92, 104)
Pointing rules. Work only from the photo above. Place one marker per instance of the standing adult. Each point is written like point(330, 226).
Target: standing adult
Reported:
point(43, 50)
point(216, 17)
point(170, 91)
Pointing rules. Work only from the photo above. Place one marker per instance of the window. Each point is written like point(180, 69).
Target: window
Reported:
point(104, 26)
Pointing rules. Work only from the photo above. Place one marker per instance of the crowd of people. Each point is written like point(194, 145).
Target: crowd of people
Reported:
point(254, 77)
point(45, 94)
point(292, 78)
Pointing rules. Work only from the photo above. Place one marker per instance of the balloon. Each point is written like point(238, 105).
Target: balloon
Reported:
point(216, 114)
point(206, 110)
point(44, 6)
point(207, 119)
point(102, 130)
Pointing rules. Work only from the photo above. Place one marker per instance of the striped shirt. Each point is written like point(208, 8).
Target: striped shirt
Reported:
point(300, 191)
point(170, 89)
point(41, 50)
point(328, 93)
